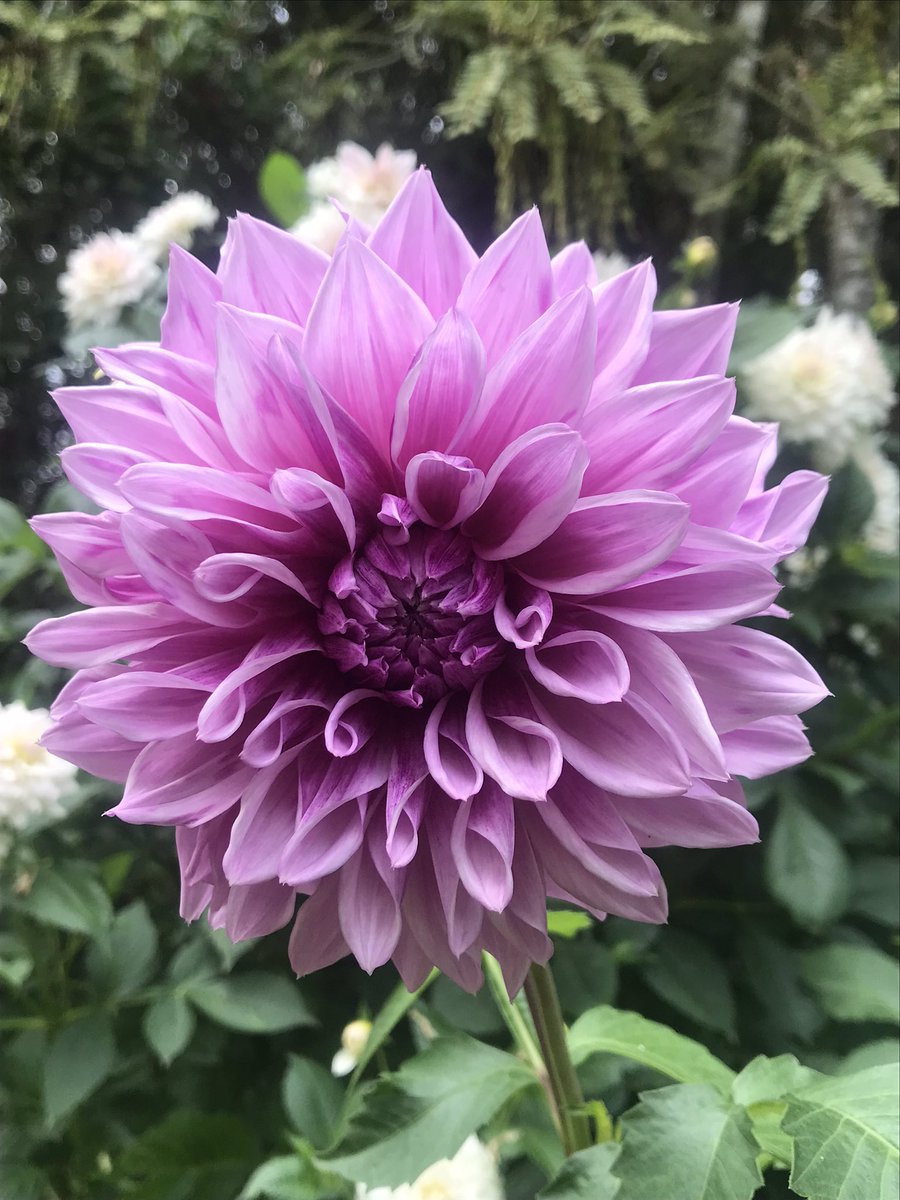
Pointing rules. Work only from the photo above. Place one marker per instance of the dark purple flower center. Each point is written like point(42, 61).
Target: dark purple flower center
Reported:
point(414, 617)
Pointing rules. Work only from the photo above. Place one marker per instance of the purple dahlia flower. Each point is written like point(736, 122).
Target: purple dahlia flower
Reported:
point(416, 587)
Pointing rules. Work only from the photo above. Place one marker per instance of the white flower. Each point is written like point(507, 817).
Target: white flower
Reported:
point(882, 530)
point(803, 566)
point(102, 276)
point(353, 1042)
point(470, 1175)
point(825, 385)
point(175, 221)
point(608, 266)
point(363, 184)
point(322, 227)
point(36, 787)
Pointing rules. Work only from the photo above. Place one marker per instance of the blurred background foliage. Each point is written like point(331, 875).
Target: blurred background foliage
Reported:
point(637, 124)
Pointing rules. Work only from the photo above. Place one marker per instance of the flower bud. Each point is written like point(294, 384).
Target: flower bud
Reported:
point(701, 254)
point(353, 1042)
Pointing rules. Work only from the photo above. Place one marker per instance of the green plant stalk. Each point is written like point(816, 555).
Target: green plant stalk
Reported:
point(516, 1022)
point(543, 1002)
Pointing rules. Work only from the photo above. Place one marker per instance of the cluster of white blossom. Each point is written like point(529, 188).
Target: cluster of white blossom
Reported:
point(608, 266)
point(470, 1175)
point(113, 270)
point(825, 385)
point(828, 386)
point(36, 787)
point(354, 182)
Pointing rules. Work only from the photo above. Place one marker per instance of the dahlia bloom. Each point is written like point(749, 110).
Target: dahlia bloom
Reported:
point(175, 222)
point(416, 587)
point(104, 275)
point(35, 787)
point(471, 1174)
point(825, 385)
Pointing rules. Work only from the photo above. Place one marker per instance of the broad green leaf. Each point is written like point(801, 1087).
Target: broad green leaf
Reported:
point(282, 186)
point(16, 963)
point(854, 983)
point(587, 1175)
point(772, 972)
point(80, 1058)
point(168, 1027)
point(760, 1088)
point(312, 1100)
point(876, 889)
point(121, 961)
point(871, 1054)
point(687, 1142)
point(845, 1137)
point(190, 1156)
point(256, 1002)
point(806, 867)
point(846, 508)
point(565, 923)
point(688, 976)
point(425, 1111)
point(229, 952)
point(761, 325)
point(68, 896)
point(282, 1178)
point(611, 1031)
point(392, 1012)
point(451, 1010)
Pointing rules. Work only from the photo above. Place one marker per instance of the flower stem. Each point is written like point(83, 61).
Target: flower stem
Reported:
point(574, 1123)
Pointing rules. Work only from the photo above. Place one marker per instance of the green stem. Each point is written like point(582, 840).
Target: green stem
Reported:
point(516, 1022)
point(574, 1123)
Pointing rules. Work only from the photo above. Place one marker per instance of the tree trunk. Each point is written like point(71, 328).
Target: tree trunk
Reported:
point(853, 226)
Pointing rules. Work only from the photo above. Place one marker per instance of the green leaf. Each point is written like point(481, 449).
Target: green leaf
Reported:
point(282, 186)
point(806, 868)
point(761, 325)
point(800, 197)
point(611, 1031)
point(80, 1058)
point(586, 974)
point(255, 1002)
point(565, 923)
point(122, 960)
point(760, 1088)
point(424, 1112)
point(16, 963)
point(587, 1175)
point(772, 972)
point(282, 1178)
point(312, 1100)
point(863, 173)
point(477, 88)
point(687, 1143)
point(68, 896)
point(854, 983)
point(689, 977)
point(871, 1054)
point(845, 1137)
point(168, 1027)
point(189, 1156)
point(876, 891)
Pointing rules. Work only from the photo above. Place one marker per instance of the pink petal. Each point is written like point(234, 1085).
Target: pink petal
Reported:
point(123, 416)
point(102, 635)
point(585, 664)
point(368, 911)
point(573, 268)
point(96, 470)
point(188, 325)
point(694, 599)
point(269, 271)
point(482, 843)
point(264, 824)
point(443, 489)
point(607, 541)
point(510, 286)
point(522, 613)
point(146, 364)
point(520, 753)
point(364, 330)
point(446, 751)
point(175, 781)
point(624, 311)
point(257, 910)
point(316, 940)
point(718, 482)
point(782, 518)
point(545, 375)
point(528, 492)
point(144, 705)
point(770, 745)
point(642, 437)
point(419, 240)
point(438, 395)
point(687, 343)
point(700, 819)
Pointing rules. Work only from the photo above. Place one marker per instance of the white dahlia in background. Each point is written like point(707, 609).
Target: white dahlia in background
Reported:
point(176, 222)
point(36, 787)
point(608, 266)
point(322, 227)
point(104, 275)
point(363, 185)
point(882, 530)
point(470, 1175)
point(825, 385)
